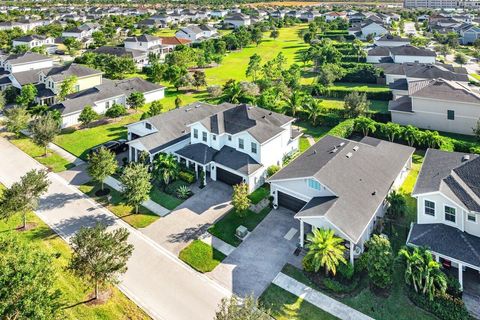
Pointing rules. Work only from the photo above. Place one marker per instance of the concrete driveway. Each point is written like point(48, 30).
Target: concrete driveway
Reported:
point(256, 262)
point(192, 218)
point(76, 176)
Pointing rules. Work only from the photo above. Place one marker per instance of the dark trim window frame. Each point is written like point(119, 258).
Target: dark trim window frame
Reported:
point(450, 114)
point(254, 147)
point(204, 136)
point(241, 143)
point(195, 133)
point(429, 208)
point(450, 214)
point(148, 126)
point(472, 217)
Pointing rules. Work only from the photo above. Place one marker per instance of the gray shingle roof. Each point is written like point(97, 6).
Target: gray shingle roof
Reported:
point(412, 51)
point(360, 182)
point(120, 51)
point(26, 58)
point(452, 174)
point(444, 90)
point(403, 104)
point(448, 241)
point(59, 73)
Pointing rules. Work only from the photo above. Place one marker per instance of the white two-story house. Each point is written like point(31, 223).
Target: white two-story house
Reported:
point(341, 185)
point(197, 33)
point(229, 143)
point(32, 41)
point(448, 209)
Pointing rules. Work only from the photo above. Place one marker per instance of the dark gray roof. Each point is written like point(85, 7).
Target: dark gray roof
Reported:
point(403, 104)
point(197, 152)
point(360, 182)
point(399, 84)
point(448, 241)
point(142, 38)
point(44, 92)
point(30, 37)
point(120, 51)
point(59, 73)
point(445, 90)
point(425, 70)
point(27, 77)
point(379, 52)
point(452, 174)
point(316, 207)
point(26, 58)
point(412, 51)
point(392, 38)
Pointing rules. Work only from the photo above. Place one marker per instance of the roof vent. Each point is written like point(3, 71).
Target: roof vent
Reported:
point(374, 192)
point(349, 155)
point(355, 148)
point(342, 144)
point(188, 109)
point(197, 106)
point(466, 158)
point(334, 149)
point(314, 151)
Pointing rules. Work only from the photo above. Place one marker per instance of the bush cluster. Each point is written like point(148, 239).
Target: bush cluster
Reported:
point(341, 92)
point(443, 306)
point(187, 176)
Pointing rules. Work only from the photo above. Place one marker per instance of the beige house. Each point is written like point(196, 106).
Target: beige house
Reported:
point(438, 104)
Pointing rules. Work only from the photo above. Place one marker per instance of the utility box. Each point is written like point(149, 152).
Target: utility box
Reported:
point(241, 232)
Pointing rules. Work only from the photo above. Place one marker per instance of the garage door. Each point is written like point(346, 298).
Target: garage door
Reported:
point(290, 202)
point(228, 177)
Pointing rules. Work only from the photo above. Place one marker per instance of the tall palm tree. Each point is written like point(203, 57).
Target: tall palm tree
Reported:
point(165, 167)
point(313, 108)
point(325, 250)
point(232, 91)
point(293, 101)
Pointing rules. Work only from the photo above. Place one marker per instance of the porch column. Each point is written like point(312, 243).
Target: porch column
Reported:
point(437, 258)
point(187, 163)
point(196, 170)
point(352, 246)
point(460, 275)
point(302, 232)
point(178, 158)
point(204, 175)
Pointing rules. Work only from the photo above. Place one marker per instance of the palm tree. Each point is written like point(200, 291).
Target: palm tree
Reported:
point(325, 250)
point(410, 134)
point(165, 167)
point(293, 101)
point(397, 204)
point(365, 125)
point(313, 108)
point(232, 91)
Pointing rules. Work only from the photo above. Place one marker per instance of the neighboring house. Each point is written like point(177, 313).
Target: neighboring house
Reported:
point(146, 43)
point(140, 57)
point(219, 13)
point(32, 41)
point(25, 61)
point(197, 33)
point(342, 185)
point(330, 16)
point(469, 34)
point(389, 40)
point(448, 210)
point(229, 143)
point(152, 23)
point(368, 28)
point(309, 15)
point(102, 97)
point(400, 54)
point(438, 104)
point(237, 20)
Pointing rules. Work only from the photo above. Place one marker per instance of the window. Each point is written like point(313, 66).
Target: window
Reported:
point(472, 217)
point(204, 136)
point(148, 126)
point(314, 184)
point(214, 137)
point(430, 208)
point(229, 138)
point(195, 133)
point(107, 104)
point(77, 88)
point(254, 147)
point(450, 114)
point(449, 214)
point(240, 143)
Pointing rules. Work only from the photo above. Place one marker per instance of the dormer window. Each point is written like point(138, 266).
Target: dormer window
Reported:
point(204, 136)
point(240, 143)
point(254, 147)
point(148, 126)
point(195, 133)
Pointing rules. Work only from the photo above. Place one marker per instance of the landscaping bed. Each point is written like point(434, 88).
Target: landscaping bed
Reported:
point(224, 229)
point(118, 207)
point(201, 256)
point(259, 194)
point(166, 196)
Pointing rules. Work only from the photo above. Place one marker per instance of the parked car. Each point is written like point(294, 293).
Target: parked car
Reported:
point(116, 146)
point(60, 52)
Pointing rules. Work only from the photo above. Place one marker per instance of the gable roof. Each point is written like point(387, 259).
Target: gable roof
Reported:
point(452, 174)
point(408, 50)
point(120, 51)
point(26, 57)
point(59, 73)
point(142, 38)
point(359, 186)
point(444, 90)
point(174, 41)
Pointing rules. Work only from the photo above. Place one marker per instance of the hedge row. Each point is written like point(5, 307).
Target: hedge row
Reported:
point(353, 58)
point(336, 92)
point(337, 32)
point(337, 37)
point(364, 73)
point(443, 306)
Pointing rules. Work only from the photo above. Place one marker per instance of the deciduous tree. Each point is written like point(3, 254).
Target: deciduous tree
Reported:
point(240, 200)
point(136, 100)
point(101, 164)
point(44, 130)
point(87, 115)
point(136, 184)
point(67, 87)
point(356, 104)
point(16, 119)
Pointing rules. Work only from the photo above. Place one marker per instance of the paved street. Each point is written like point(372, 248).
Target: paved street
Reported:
point(157, 281)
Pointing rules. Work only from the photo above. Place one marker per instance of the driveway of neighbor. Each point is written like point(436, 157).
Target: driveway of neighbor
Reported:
point(192, 218)
point(157, 281)
point(255, 263)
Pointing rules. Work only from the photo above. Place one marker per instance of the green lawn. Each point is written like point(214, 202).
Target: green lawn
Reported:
point(225, 228)
point(259, 194)
point(75, 291)
point(304, 144)
point(316, 132)
point(376, 106)
point(201, 256)
point(52, 161)
point(284, 305)
point(164, 199)
point(117, 206)
point(476, 76)
point(235, 63)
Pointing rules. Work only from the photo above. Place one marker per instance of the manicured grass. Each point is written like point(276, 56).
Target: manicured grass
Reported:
point(75, 291)
point(225, 228)
point(259, 194)
point(235, 64)
point(461, 137)
point(164, 199)
point(284, 305)
point(476, 76)
point(304, 144)
point(52, 161)
point(316, 132)
point(361, 86)
point(376, 106)
point(201, 256)
point(118, 207)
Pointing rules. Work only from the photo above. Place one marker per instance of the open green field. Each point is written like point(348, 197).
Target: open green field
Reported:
point(235, 64)
point(75, 291)
point(376, 106)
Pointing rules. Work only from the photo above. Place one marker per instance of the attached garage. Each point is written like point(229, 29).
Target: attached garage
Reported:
point(228, 177)
point(290, 202)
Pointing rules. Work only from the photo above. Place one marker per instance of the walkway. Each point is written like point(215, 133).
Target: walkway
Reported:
point(65, 154)
point(217, 243)
point(149, 204)
point(318, 299)
point(157, 281)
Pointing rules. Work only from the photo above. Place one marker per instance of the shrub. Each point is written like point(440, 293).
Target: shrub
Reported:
point(361, 264)
point(344, 129)
point(362, 73)
point(340, 92)
point(338, 287)
point(183, 192)
point(115, 111)
point(443, 306)
point(331, 119)
point(187, 176)
point(173, 187)
point(272, 170)
point(453, 287)
point(307, 265)
point(380, 262)
point(346, 270)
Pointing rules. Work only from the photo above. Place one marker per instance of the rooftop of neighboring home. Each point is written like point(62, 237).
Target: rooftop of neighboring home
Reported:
point(31, 37)
point(455, 174)
point(57, 73)
point(425, 70)
point(345, 167)
point(27, 57)
point(392, 38)
point(142, 38)
point(406, 50)
point(119, 51)
point(174, 41)
point(237, 16)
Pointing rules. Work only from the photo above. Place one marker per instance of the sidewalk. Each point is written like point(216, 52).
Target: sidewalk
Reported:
point(318, 299)
point(217, 243)
point(65, 154)
point(149, 204)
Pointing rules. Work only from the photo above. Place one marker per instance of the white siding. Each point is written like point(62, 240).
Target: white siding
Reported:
point(420, 59)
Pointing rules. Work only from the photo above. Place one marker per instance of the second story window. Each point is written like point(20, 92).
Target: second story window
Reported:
point(450, 114)
point(254, 147)
point(240, 143)
point(430, 208)
point(214, 137)
point(148, 126)
point(449, 214)
point(229, 138)
point(472, 217)
point(195, 133)
point(204, 136)
point(314, 184)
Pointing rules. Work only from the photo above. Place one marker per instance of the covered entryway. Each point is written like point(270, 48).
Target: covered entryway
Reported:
point(290, 202)
point(228, 177)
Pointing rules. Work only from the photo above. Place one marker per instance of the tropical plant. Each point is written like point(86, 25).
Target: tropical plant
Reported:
point(240, 200)
point(293, 101)
point(232, 92)
point(313, 108)
point(183, 192)
point(423, 272)
point(234, 308)
point(391, 130)
point(365, 125)
point(165, 167)
point(397, 204)
point(101, 164)
point(431, 139)
point(356, 104)
point(272, 170)
point(325, 250)
point(410, 134)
